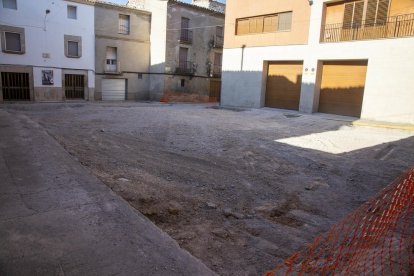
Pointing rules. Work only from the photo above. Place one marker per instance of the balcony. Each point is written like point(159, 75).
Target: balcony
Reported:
point(186, 36)
point(392, 27)
point(112, 66)
point(218, 41)
point(185, 68)
point(216, 72)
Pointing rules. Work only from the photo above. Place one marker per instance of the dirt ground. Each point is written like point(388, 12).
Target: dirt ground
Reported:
point(239, 189)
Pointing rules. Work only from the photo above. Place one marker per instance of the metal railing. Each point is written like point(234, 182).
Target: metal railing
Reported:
point(112, 66)
point(391, 27)
point(185, 68)
point(186, 36)
point(216, 72)
point(16, 86)
point(218, 41)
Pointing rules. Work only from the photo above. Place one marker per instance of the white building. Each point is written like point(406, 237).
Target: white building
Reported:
point(352, 58)
point(47, 50)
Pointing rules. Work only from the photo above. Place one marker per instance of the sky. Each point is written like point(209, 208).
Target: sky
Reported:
point(125, 1)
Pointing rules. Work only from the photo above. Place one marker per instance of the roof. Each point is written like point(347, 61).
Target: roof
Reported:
point(210, 11)
point(105, 4)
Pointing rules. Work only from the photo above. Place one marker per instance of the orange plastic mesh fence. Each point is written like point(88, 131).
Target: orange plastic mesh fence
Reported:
point(375, 239)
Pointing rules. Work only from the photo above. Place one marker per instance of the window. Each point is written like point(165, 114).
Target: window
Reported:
point(285, 21)
point(353, 14)
point(182, 82)
point(264, 24)
point(72, 12)
point(377, 12)
point(111, 59)
point(73, 46)
point(10, 4)
point(12, 39)
point(73, 49)
point(123, 24)
point(13, 42)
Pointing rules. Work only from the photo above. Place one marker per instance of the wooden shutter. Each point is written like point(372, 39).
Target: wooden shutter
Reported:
point(242, 26)
point(353, 14)
point(270, 23)
point(348, 15)
point(382, 11)
point(285, 21)
point(358, 13)
point(377, 11)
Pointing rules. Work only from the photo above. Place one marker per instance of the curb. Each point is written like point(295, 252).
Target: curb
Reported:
point(384, 125)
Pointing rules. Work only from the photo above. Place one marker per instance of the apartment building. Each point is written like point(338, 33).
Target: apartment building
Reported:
point(186, 49)
point(47, 50)
point(122, 52)
point(352, 58)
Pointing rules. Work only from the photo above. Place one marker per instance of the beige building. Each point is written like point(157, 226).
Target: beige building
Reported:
point(350, 57)
point(186, 49)
point(122, 52)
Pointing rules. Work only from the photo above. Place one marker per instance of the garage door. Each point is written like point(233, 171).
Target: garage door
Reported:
point(342, 87)
point(113, 89)
point(284, 81)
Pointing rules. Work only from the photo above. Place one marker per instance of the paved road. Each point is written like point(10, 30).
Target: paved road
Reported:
point(58, 219)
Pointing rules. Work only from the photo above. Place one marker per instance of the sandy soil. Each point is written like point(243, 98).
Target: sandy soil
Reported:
point(229, 185)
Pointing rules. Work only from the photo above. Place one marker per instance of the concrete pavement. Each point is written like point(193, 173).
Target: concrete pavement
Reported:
point(58, 219)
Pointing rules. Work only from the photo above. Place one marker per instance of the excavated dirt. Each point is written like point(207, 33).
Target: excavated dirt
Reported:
point(225, 184)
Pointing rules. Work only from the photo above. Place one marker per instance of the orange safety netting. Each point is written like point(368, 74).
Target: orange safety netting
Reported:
point(375, 239)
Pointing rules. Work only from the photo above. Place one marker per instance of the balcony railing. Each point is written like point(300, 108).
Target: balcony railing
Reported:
point(216, 72)
point(186, 36)
point(392, 27)
point(218, 41)
point(112, 66)
point(185, 68)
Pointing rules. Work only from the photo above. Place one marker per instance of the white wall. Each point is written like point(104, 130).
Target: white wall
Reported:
point(389, 88)
point(158, 38)
point(46, 35)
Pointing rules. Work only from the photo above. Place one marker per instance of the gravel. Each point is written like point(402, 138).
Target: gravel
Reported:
point(239, 189)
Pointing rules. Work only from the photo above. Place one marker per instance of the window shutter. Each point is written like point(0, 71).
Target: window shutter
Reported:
point(270, 23)
point(13, 42)
point(285, 21)
point(348, 15)
point(353, 14)
point(358, 14)
point(377, 11)
point(123, 24)
point(259, 25)
point(242, 26)
point(371, 11)
point(382, 12)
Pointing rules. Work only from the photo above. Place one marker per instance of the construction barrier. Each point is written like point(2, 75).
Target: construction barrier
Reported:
point(375, 239)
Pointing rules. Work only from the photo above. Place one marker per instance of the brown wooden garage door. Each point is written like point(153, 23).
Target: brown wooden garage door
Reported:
point(342, 87)
point(284, 81)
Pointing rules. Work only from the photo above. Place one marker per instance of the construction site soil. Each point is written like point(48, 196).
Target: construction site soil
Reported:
point(239, 189)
